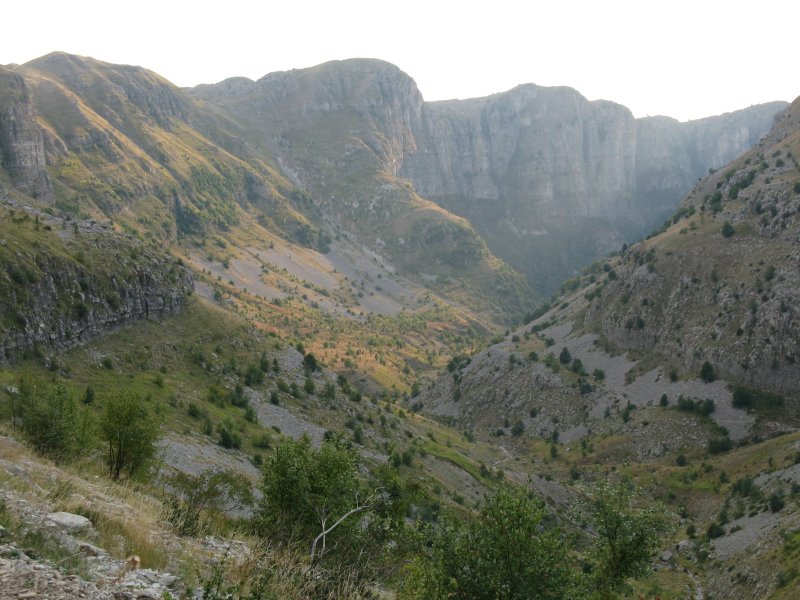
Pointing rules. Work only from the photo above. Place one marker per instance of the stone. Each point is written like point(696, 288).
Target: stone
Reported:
point(69, 521)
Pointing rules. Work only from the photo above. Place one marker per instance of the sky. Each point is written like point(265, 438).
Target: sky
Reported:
point(685, 59)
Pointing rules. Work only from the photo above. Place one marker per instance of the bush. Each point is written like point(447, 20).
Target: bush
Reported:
point(314, 495)
point(776, 502)
point(197, 499)
point(751, 399)
point(228, 439)
point(518, 428)
point(714, 530)
point(473, 559)
point(727, 230)
point(565, 357)
point(699, 407)
point(130, 432)
point(254, 375)
point(707, 372)
point(718, 445)
point(53, 421)
point(310, 363)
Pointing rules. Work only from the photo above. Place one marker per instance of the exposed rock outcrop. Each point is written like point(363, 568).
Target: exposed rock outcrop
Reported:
point(60, 287)
point(22, 152)
point(547, 178)
point(552, 180)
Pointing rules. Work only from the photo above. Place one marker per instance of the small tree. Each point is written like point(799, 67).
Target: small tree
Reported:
point(197, 499)
point(627, 536)
point(310, 363)
point(727, 229)
point(506, 552)
point(565, 357)
point(707, 372)
point(130, 432)
point(312, 496)
point(53, 421)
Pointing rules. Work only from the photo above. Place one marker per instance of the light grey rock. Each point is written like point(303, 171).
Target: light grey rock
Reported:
point(69, 522)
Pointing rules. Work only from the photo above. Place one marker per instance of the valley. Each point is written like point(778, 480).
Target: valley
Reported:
point(528, 300)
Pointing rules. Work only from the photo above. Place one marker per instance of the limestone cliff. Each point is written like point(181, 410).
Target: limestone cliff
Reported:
point(64, 282)
point(22, 152)
point(552, 180)
point(342, 130)
point(548, 179)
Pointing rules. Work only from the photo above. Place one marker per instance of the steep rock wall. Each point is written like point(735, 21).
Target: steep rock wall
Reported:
point(22, 152)
point(63, 283)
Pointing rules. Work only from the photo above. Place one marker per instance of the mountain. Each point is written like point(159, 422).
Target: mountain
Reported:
point(342, 130)
point(21, 140)
point(552, 180)
point(677, 356)
point(703, 309)
point(461, 197)
point(547, 178)
point(717, 285)
point(123, 143)
point(320, 253)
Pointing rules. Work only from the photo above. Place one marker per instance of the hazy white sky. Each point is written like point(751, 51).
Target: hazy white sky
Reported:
point(682, 58)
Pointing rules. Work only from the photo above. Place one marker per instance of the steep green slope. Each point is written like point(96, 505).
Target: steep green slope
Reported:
point(718, 283)
point(123, 142)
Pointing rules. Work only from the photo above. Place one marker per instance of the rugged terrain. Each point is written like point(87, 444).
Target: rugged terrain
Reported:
point(673, 351)
point(322, 252)
point(64, 282)
point(547, 178)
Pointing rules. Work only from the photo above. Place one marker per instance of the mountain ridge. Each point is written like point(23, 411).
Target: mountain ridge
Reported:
point(493, 161)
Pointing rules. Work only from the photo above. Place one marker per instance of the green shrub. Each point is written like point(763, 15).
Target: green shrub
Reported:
point(727, 229)
point(565, 357)
point(776, 502)
point(53, 421)
point(753, 399)
point(718, 445)
point(714, 530)
point(707, 372)
point(254, 375)
point(130, 432)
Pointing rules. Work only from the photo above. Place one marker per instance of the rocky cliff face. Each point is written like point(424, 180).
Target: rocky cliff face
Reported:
point(67, 282)
point(552, 180)
point(22, 152)
point(547, 178)
point(342, 131)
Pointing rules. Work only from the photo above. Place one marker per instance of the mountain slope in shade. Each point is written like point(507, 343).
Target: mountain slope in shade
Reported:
point(547, 178)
